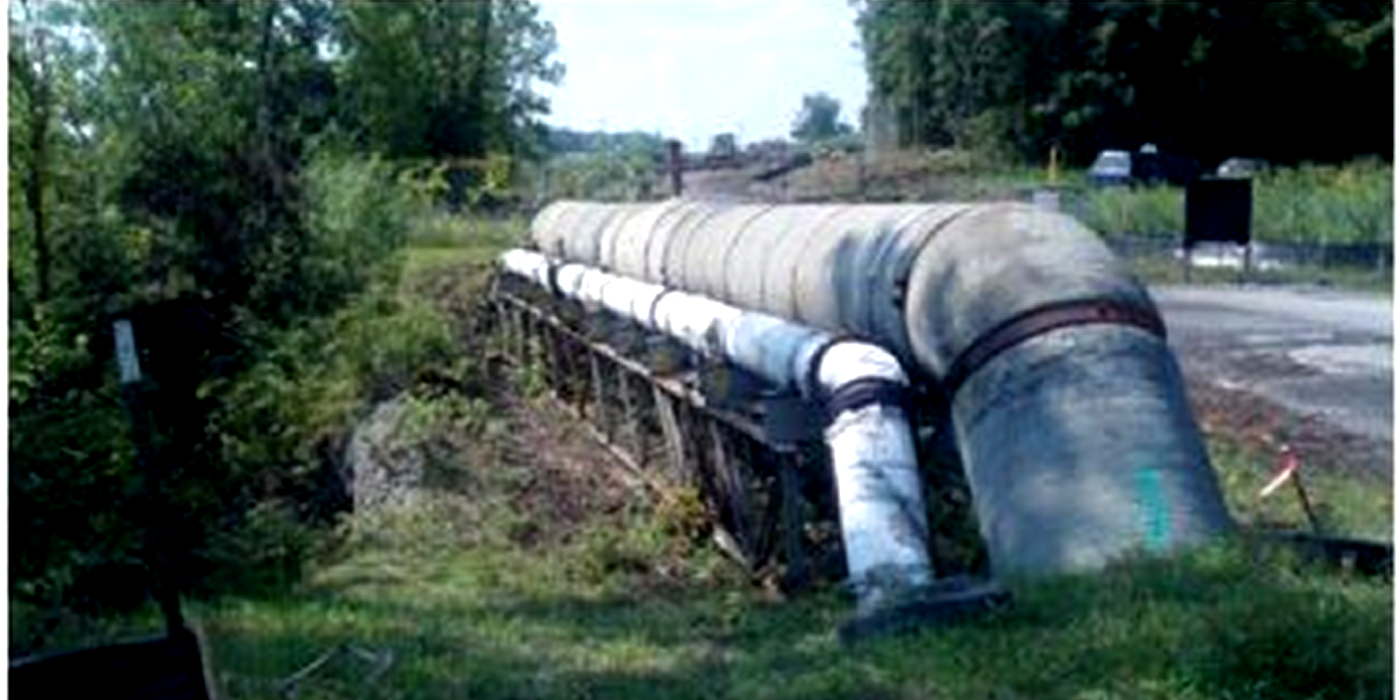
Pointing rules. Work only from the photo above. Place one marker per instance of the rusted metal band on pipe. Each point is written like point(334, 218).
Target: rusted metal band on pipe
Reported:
point(1042, 320)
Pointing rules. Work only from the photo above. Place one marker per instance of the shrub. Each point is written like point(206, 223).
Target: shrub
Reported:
point(1151, 211)
point(284, 421)
point(1325, 204)
point(358, 217)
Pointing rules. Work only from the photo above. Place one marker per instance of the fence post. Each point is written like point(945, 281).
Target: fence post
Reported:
point(675, 165)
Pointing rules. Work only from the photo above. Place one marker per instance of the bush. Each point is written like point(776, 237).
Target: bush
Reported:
point(603, 176)
point(284, 422)
point(358, 215)
point(260, 430)
point(1325, 204)
point(1157, 211)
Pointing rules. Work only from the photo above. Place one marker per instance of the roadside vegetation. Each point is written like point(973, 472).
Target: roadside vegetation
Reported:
point(1313, 204)
point(1338, 219)
point(244, 197)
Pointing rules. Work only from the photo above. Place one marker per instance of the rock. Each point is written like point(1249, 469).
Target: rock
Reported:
point(386, 466)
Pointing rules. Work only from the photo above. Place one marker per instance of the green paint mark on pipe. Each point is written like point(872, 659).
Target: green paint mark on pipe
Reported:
point(1152, 504)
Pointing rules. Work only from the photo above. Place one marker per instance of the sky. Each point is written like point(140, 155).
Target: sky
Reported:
point(693, 68)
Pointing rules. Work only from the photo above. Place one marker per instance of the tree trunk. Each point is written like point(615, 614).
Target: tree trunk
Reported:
point(34, 73)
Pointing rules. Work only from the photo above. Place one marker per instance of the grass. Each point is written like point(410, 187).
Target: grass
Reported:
point(623, 610)
point(445, 239)
point(1345, 504)
point(489, 622)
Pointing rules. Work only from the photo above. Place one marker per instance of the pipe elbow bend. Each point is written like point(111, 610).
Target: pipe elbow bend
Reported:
point(1002, 261)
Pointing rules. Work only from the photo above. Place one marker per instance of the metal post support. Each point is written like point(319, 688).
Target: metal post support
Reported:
point(629, 431)
point(134, 392)
point(791, 528)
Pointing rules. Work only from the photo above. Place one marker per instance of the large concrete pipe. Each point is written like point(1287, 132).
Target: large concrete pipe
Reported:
point(1069, 410)
point(884, 526)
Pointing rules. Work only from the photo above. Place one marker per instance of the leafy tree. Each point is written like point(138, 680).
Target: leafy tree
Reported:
point(1198, 77)
point(446, 79)
point(899, 46)
point(819, 119)
point(194, 165)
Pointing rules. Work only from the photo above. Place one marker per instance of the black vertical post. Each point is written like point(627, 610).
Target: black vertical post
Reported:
point(675, 166)
point(134, 394)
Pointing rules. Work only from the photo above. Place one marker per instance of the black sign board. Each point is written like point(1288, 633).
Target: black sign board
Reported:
point(1218, 209)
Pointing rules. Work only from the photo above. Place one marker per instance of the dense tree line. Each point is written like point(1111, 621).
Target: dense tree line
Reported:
point(224, 173)
point(1285, 81)
point(561, 140)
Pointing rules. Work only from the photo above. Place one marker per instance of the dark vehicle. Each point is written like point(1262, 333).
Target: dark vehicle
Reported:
point(1151, 167)
point(1242, 167)
point(1112, 168)
point(1146, 167)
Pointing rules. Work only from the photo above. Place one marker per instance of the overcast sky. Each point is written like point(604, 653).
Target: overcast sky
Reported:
point(694, 68)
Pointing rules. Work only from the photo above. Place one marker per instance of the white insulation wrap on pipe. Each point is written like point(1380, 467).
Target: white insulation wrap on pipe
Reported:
point(883, 522)
point(879, 490)
point(531, 266)
point(1069, 410)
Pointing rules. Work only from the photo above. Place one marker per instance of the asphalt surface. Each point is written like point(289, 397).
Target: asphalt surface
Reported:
point(1324, 354)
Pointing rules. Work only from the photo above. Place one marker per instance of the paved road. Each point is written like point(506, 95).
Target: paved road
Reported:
point(1321, 353)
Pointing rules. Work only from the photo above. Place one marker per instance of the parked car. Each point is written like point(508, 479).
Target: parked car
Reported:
point(1146, 167)
point(1112, 168)
point(1151, 167)
point(1241, 167)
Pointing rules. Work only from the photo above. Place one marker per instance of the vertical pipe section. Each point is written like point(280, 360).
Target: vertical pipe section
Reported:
point(884, 525)
point(879, 488)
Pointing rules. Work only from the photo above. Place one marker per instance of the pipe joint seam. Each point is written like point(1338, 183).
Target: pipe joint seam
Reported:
point(811, 377)
point(651, 321)
point(552, 278)
point(866, 391)
point(1039, 321)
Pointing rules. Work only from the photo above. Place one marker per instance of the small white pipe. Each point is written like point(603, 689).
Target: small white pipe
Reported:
point(883, 522)
point(531, 266)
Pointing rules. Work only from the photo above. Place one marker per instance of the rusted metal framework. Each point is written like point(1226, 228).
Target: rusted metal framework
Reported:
point(676, 422)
